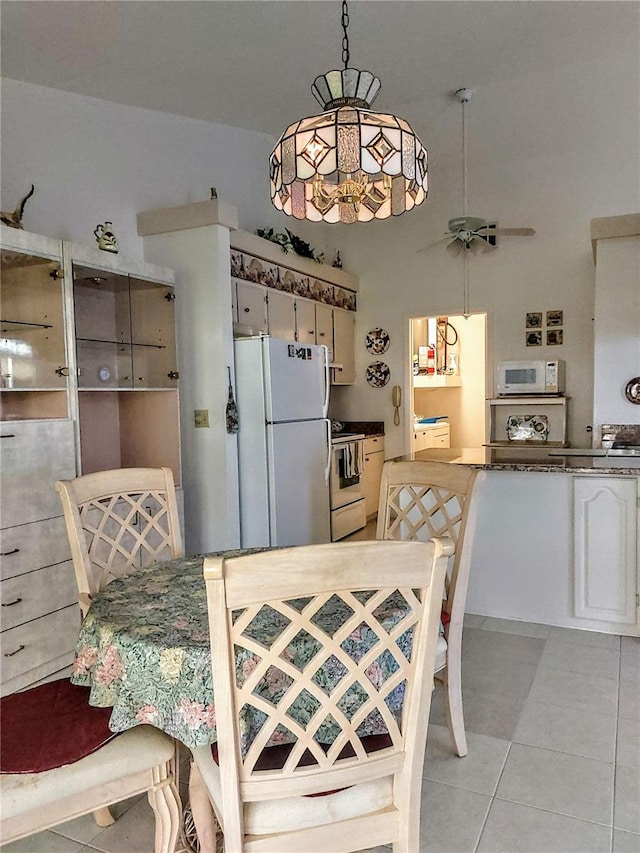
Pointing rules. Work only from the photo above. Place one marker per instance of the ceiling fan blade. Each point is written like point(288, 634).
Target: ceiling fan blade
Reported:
point(455, 247)
point(507, 232)
point(478, 243)
point(434, 243)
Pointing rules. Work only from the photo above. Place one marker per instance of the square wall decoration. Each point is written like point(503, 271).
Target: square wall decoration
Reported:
point(534, 319)
point(554, 318)
point(534, 339)
point(554, 337)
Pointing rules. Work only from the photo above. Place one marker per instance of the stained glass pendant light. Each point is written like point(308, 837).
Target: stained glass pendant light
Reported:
point(348, 164)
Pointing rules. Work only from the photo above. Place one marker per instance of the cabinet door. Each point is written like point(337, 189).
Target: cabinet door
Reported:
point(281, 314)
point(422, 439)
point(605, 548)
point(103, 328)
point(305, 321)
point(343, 346)
point(373, 463)
point(153, 335)
point(324, 327)
point(252, 307)
point(32, 345)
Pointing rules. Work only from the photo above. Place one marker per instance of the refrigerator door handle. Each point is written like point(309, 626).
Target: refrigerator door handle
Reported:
point(327, 470)
point(327, 384)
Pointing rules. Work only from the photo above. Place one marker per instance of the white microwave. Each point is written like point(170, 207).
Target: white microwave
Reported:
point(529, 377)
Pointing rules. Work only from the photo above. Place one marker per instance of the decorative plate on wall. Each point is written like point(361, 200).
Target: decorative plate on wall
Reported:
point(378, 374)
point(632, 390)
point(377, 341)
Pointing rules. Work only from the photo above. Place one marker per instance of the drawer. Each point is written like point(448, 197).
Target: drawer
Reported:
point(374, 444)
point(27, 547)
point(348, 519)
point(29, 596)
point(34, 455)
point(29, 646)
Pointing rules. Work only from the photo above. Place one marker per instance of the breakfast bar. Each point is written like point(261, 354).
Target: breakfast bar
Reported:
point(568, 526)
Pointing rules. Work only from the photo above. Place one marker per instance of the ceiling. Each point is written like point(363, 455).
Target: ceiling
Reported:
point(250, 63)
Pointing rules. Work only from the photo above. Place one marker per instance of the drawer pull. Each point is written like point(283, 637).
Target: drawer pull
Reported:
point(9, 553)
point(11, 654)
point(8, 435)
point(11, 603)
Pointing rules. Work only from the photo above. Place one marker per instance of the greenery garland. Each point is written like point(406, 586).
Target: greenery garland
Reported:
point(290, 243)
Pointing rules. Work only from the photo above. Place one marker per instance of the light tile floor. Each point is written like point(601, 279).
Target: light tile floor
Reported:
point(553, 726)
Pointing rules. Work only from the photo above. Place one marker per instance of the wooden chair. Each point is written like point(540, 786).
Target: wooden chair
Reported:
point(119, 521)
point(59, 761)
point(342, 657)
point(419, 500)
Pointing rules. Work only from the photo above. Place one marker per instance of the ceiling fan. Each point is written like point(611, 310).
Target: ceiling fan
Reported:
point(472, 233)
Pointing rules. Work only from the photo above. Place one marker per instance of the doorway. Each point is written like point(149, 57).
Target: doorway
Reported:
point(448, 376)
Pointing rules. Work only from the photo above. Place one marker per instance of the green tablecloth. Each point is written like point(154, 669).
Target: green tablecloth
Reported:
point(144, 650)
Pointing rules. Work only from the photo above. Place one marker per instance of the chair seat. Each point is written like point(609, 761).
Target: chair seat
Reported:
point(441, 654)
point(295, 813)
point(50, 726)
point(129, 753)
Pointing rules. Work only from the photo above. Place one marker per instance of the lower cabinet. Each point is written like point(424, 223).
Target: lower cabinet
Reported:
point(431, 435)
point(606, 548)
point(373, 462)
point(40, 616)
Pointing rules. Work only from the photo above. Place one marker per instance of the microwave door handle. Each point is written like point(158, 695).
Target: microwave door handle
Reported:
point(327, 469)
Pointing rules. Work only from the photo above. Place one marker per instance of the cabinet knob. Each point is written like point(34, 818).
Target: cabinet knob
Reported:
point(322, 334)
point(62, 371)
point(173, 374)
point(246, 310)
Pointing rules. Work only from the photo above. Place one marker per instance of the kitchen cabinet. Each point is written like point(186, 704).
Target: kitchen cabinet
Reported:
point(281, 315)
point(89, 379)
point(373, 462)
point(343, 347)
point(324, 328)
point(426, 436)
point(568, 552)
point(305, 321)
point(250, 307)
point(605, 543)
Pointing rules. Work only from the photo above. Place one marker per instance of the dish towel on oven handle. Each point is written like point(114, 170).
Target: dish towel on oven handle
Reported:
point(352, 459)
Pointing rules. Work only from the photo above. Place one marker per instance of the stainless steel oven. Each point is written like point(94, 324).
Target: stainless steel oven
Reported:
point(347, 493)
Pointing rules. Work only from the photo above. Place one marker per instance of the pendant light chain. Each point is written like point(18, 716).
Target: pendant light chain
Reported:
point(345, 37)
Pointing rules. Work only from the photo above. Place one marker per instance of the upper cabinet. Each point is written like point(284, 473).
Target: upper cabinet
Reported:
point(293, 298)
point(33, 359)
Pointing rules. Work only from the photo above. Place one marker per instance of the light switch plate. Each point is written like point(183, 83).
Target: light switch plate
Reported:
point(201, 418)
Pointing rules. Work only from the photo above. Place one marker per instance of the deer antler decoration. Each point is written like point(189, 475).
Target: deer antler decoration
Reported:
point(14, 218)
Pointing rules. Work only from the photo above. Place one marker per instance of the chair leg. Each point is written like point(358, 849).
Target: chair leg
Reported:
point(165, 801)
point(203, 815)
point(103, 816)
point(455, 714)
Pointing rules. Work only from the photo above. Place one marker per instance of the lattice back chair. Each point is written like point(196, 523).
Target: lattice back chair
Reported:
point(419, 500)
point(318, 656)
point(119, 521)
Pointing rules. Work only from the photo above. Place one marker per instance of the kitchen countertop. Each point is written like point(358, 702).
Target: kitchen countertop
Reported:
point(481, 458)
point(369, 429)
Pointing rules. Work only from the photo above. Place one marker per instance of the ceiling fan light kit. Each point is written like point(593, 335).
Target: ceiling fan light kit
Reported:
point(348, 164)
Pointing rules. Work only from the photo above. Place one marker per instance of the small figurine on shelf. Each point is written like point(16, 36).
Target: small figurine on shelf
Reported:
point(106, 238)
point(337, 261)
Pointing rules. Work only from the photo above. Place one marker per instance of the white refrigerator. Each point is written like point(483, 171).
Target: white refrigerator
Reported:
point(284, 442)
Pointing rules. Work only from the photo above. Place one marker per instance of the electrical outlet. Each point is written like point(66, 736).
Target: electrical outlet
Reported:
point(201, 418)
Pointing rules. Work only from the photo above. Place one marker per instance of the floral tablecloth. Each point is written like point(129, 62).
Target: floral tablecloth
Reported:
point(143, 649)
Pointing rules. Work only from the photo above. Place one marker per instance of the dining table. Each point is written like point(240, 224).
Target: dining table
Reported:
point(144, 650)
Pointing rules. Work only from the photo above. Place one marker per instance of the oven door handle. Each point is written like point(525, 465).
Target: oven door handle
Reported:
point(327, 469)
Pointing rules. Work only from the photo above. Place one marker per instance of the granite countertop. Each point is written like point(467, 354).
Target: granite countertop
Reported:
point(489, 459)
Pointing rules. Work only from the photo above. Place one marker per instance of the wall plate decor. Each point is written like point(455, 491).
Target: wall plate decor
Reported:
point(534, 319)
point(632, 390)
point(378, 374)
point(527, 427)
point(554, 318)
point(377, 341)
point(534, 339)
point(554, 337)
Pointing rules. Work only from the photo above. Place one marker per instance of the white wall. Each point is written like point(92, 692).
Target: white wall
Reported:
point(551, 152)
point(617, 325)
